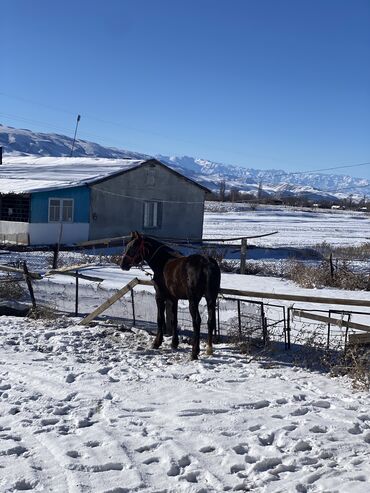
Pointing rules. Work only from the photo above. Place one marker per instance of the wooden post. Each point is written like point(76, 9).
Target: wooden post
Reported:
point(29, 284)
point(133, 306)
point(239, 321)
point(55, 256)
point(243, 255)
point(76, 301)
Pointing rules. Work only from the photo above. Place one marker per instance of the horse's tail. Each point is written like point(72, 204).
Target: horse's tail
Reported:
point(213, 279)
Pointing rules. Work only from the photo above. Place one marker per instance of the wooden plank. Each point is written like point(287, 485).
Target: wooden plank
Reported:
point(6, 268)
point(104, 242)
point(110, 301)
point(334, 321)
point(359, 339)
point(81, 276)
point(282, 296)
point(293, 297)
point(70, 268)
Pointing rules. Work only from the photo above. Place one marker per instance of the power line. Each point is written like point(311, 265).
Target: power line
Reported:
point(120, 125)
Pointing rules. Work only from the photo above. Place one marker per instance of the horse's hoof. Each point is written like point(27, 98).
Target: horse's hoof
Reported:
point(155, 346)
point(194, 357)
point(209, 351)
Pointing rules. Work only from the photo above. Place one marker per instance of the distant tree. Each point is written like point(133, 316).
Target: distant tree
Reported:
point(234, 194)
point(222, 190)
point(260, 190)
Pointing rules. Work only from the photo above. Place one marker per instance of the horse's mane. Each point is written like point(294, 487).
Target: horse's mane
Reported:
point(164, 248)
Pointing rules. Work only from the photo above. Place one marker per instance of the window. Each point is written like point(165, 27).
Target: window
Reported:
point(61, 210)
point(14, 207)
point(152, 214)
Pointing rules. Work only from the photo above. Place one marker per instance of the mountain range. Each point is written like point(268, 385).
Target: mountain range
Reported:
point(278, 183)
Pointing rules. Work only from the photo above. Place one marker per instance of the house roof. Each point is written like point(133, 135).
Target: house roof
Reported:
point(28, 174)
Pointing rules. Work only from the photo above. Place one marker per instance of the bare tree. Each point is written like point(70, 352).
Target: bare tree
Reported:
point(222, 190)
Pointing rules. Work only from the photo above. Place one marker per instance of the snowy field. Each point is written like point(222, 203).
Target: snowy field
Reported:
point(95, 409)
point(296, 227)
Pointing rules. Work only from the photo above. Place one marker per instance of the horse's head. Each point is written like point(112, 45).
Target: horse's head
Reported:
point(134, 252)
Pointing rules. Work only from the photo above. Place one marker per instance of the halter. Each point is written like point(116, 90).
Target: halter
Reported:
point(139, 254)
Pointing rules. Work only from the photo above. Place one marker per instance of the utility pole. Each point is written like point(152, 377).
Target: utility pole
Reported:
point(74, 137)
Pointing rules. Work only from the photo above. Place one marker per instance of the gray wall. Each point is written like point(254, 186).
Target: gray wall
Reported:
point(117, 204)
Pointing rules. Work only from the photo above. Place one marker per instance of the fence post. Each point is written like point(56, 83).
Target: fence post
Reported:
point(76, 301)
point(55, 256)
point(133, 307)
point(239, 320)
point(29, 284)
point(288, 327)
point(243, 255)
point(264, 325)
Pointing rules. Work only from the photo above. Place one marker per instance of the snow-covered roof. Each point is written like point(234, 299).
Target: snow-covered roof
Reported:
point(26, 174)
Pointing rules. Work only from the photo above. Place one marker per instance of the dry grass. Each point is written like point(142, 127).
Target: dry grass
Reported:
point(340, 275)
point(11, 289)
point(348, 253)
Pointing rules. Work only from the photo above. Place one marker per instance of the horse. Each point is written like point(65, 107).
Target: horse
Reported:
point(177, 277)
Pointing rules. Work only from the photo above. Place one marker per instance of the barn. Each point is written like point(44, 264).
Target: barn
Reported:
point(48, 200)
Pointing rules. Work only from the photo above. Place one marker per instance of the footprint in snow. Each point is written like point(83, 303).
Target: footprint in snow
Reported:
point(24, 484)
point(151, 460)
point(207, 449)
point(267, 464)
point(302, 446)
point(323, 404)
point(147, 448)
point(267, 439)
point(191, 477)
point(70, 378)
point(240, 449)
point(237, 468)
point(92, 444)
point(299, 411)
point(319, 429)
point(18, 450)
point(74, 454)
point(176, 466)
point(281, 401)
point(355, 430)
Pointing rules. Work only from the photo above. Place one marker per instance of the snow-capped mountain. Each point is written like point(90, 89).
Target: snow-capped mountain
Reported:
point(315, 186)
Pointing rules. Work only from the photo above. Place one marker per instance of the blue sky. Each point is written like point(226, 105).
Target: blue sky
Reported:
point(259, 83)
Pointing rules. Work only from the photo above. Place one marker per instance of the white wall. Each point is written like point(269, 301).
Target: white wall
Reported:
point(11, 232)
point(50, 233)
point(43, 233)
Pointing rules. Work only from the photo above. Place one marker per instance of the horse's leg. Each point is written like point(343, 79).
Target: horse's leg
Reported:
point(194, 312)
point(160, 322)
point(171, 316)
point(211, 323)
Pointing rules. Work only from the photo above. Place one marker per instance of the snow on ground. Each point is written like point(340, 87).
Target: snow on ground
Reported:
point(296, 227)
point(96, 410)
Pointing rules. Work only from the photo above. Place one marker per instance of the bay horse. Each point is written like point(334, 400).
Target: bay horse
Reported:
point(177, 277)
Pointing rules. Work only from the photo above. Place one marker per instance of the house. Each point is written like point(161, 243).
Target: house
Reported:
point(47, 200)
